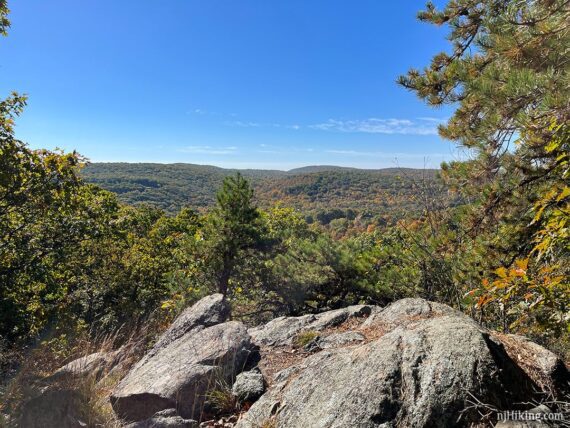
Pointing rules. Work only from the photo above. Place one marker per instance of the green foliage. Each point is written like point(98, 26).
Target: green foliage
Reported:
point(507, 73)
point(123, 274)
point(304, 338)
point(363, 197)
point(68, 250)
point(221, 398)
point(552, 207)
point(4, 21)
point(169, 187)
point(534, 293)
point(315, 272)
point(233, 228)
point(44, 213)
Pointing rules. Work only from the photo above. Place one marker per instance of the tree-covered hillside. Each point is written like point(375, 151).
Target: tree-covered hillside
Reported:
point(168, 186)
point(322, 193)
point(387, 194)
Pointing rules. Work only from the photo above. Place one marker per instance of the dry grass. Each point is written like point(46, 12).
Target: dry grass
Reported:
point(269, 423)
point(35, 374)
point(221, 398)
point(96, 408)
point(524, 354)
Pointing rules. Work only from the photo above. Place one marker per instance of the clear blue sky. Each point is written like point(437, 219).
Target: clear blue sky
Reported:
point(233, 83)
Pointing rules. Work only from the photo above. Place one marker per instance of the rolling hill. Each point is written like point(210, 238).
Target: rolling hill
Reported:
point(321, 192)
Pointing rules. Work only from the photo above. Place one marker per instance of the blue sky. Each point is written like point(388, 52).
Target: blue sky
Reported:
point(234, 83)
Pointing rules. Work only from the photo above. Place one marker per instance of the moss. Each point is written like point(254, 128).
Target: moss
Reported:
point(304, 338)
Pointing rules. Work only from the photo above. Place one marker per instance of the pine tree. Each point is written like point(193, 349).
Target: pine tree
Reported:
point(4, 21)
point(235, 224)
point(507, 74)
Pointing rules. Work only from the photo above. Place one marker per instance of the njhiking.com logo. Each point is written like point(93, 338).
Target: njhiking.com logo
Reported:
point(518, 415)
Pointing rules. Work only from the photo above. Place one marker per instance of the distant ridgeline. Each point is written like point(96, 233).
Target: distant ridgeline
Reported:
point(322, 193)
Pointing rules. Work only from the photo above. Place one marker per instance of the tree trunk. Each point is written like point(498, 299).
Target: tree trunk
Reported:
point(225, 275)
point(223, 281)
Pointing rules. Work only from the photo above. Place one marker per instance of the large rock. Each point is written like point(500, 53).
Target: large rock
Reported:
point(336, 340)
point(180, 374)
point(282, 330)
point(248, 386)
point(423, 365)
point(54, 408)
point(92, 365)
point(197, 350)
point(544, 367)
point(405, 311)
point(168, 418)
point(61, 399)
point(209, 311)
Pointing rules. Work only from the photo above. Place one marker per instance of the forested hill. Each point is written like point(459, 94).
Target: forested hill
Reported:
point(168, 186)
point(323, 192)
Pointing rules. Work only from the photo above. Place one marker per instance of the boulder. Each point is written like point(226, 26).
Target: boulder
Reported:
point(165, 419)
point(59, 408)
point(338, 316)
point(543, 366)
point(423, 365)
point(407, 310)
point(282, 330)
point(94, 365)
point(179, 374)
point(209, 311)
point(249, 386)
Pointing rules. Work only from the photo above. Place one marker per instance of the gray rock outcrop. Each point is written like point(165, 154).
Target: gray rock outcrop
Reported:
point(207, 312)
point(165, 419)
point(185, 364)
point(248, 386)
point(54, 408)
point(414, 363)
point(336, 340)
point(282, 330)
point(423, 365)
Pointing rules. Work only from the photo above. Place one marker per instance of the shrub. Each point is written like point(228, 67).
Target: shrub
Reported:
point(221, 398)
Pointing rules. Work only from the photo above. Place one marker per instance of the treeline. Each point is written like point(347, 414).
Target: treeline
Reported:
point(73, 255)
point(356, 198)
point(166, 186)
